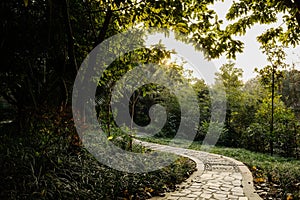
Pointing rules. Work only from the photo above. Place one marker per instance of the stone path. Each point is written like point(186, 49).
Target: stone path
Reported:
point(217, 177)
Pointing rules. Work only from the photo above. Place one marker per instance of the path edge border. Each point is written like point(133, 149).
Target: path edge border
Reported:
point(247, 180)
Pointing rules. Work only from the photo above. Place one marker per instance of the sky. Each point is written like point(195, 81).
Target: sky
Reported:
point(251, 58)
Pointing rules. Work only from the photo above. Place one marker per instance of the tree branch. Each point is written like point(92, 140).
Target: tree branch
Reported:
point(296, 5)
point(104, 28)
point(119, 9)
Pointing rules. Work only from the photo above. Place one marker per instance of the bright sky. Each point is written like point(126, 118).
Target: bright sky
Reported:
point(251, 58)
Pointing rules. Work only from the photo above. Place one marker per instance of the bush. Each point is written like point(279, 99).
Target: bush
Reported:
point(48, 163)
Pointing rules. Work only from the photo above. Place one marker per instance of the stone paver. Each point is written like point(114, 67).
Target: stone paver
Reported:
point(217, 177)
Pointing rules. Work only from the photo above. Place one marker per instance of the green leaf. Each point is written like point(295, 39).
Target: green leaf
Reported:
point(110, 137)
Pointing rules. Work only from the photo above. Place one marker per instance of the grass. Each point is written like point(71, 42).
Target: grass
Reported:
point(44, 165)
point(282, 175)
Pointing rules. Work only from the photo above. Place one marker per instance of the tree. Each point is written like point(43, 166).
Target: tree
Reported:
point(284, 136)
point(272, 73)
point(32, 74)
point(290, 90)
point(44, 41)
point(230, 77)
point(248, 13)
point(202, 90)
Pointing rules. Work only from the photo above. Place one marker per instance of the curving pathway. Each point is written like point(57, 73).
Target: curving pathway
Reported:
point(217, 177)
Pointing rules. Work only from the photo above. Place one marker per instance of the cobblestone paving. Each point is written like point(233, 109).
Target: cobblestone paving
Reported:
point(216, 177)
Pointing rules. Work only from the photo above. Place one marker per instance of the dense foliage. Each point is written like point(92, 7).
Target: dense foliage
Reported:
point(46, 164)
point(43, 42)
point(249, 122)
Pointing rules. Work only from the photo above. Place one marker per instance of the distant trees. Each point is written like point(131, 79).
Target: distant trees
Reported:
point(230, 77)
point(202, 90)
point(259, 114)
point(290, 90)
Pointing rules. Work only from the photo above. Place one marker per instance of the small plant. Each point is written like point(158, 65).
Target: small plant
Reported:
point(48, 162)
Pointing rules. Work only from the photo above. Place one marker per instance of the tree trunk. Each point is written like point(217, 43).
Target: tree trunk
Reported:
point(272, 112)
point(104, 28)
point(71, 50)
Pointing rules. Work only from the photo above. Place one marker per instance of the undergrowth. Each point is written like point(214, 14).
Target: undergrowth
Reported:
point(46, 163)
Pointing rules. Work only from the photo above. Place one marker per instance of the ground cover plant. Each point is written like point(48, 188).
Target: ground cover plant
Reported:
point(47, 163)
